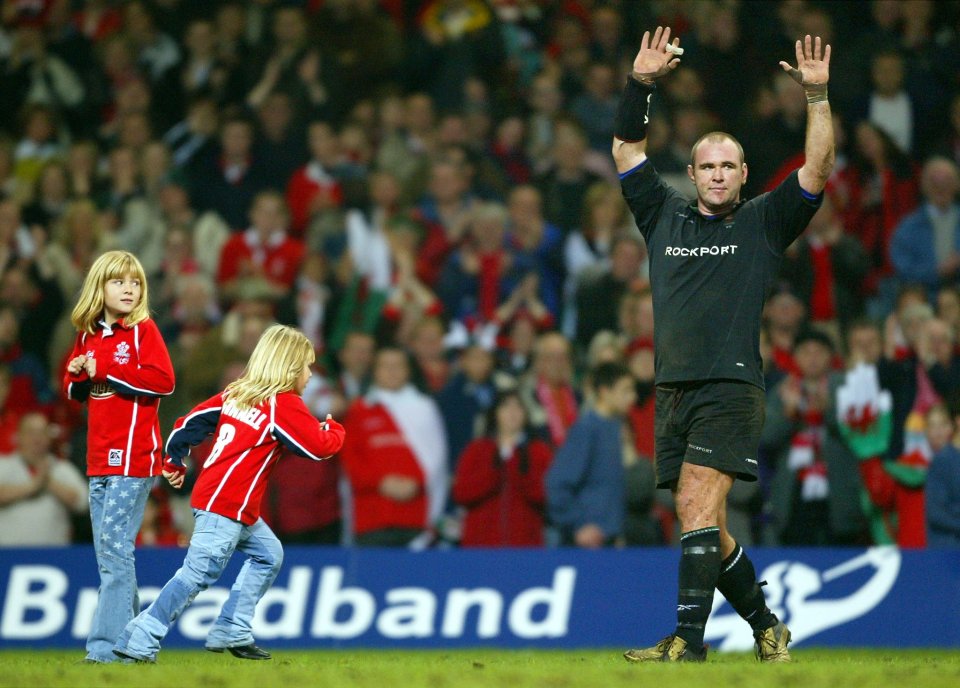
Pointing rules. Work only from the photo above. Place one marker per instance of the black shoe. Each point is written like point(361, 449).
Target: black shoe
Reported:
point(129, 657)
point(250, 651)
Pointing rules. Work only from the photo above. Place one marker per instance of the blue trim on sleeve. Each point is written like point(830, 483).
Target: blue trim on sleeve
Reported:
point(809, 196)
point(196, 427)
point(633, 169)
point(124, 388)
point(287, 441)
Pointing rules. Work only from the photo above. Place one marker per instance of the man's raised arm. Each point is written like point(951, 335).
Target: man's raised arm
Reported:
point(655, 58)
point(813, 73)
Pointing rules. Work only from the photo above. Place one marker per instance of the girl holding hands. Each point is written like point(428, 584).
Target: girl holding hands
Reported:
point(253, 420)
point(120, 368)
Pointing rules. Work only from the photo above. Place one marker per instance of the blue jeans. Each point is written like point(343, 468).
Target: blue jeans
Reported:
point(214, 540)
point(116, 511)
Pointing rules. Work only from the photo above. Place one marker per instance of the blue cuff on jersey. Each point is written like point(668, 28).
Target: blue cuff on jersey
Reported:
point(807, 195)
point(633, 169)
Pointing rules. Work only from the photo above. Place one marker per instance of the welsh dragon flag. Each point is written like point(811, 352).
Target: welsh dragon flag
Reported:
point(864, 412)
point(892, 498)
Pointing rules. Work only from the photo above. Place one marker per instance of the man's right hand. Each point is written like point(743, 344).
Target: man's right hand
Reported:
point(653, 60)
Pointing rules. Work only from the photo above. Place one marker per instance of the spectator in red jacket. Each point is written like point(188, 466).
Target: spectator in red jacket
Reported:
point(315, 187)
point(499, 480)
point(264, 251)
point(397, 459)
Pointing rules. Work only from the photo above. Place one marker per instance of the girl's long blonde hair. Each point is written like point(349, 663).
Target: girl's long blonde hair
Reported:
point(110, 265)
point(274, 367)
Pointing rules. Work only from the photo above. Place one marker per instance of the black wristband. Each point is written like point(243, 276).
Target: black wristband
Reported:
point(633, 112)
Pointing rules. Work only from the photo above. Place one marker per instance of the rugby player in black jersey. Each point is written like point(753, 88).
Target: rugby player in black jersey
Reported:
point(712, 262)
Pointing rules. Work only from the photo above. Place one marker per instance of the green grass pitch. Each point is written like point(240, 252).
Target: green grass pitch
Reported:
point(483, 667)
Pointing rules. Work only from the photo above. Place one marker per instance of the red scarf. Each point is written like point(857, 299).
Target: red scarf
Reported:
point(489, 285)
point(823, 304)
point(561, 408)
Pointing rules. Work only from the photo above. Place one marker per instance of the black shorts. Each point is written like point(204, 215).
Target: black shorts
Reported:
point(714, 423)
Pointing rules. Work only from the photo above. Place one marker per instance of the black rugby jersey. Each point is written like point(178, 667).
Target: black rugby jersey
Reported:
point(710, 275)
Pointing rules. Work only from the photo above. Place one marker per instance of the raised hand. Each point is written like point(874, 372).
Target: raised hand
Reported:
point(653, 60)
point(813, 66)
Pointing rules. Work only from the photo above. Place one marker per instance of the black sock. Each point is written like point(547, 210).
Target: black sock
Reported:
point(699, 569)
point(738, 583)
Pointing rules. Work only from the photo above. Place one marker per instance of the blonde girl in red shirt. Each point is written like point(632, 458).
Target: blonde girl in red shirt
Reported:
point(120, 368)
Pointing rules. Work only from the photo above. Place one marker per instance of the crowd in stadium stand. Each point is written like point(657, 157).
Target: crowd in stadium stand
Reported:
point(426, 190)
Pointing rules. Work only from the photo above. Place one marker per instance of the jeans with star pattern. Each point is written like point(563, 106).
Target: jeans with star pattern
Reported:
point(116, 511)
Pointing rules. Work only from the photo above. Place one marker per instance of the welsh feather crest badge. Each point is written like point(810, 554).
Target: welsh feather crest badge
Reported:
point(122, 354)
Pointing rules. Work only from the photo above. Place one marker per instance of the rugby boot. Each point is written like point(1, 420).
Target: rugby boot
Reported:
point(771, 644)
point(670, 649)
point(649, 654)
point(679, 651)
